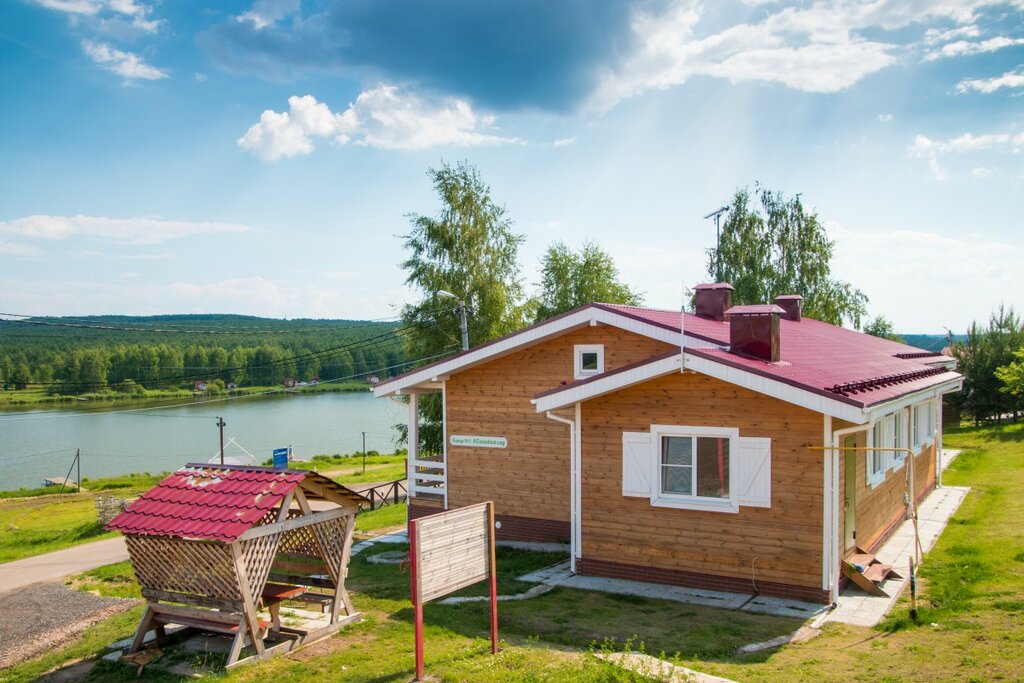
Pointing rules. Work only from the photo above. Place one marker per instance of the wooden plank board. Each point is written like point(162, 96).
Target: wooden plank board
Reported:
point(452, 550)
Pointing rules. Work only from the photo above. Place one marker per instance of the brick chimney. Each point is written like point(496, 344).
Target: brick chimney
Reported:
point(792, 304)
point(712, 299)
point(754, 331)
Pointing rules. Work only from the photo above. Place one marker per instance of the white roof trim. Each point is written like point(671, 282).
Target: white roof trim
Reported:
point(530, 336)
point(743, 378)
point(606, 385)
point(900, 402)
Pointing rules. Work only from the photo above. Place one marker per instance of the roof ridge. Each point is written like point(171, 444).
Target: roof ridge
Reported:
point(885, 380)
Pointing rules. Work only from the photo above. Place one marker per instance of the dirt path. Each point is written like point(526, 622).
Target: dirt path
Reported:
point(46, 615)
point(58, 564)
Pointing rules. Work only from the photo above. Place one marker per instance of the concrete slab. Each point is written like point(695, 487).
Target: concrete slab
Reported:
point(860, 609)
point(397, 537)
point(659, 669)
point(559, 575)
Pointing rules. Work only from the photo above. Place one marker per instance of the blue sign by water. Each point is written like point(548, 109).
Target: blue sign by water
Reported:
point(281, 458)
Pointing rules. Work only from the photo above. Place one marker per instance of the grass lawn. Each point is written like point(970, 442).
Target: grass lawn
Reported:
point(971, 625)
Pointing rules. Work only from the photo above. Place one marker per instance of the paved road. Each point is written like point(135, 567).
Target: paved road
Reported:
point(56, 565)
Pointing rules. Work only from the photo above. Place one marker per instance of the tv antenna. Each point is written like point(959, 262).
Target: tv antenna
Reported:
point(717, 215)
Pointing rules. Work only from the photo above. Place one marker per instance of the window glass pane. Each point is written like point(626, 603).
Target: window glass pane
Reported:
point(677, 450)
point(876, 455)
point(677, 480)
point(588, 361)
point(712, 467)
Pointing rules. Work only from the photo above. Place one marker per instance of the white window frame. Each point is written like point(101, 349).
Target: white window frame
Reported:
point(916, 442)
point(578, 351)
point(680, 501)
point(877, 460)
point(899, 440)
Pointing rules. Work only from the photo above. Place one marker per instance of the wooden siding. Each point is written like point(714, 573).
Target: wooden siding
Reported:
point(530, 478)
point(879, 510)
point(781, 544)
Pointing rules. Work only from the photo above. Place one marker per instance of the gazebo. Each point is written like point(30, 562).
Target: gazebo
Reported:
point(210, 544)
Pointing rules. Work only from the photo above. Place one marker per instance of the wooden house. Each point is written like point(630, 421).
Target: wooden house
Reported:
point(715, 449)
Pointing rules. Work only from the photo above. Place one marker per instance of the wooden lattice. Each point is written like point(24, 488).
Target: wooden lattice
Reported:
point(174, 565)
point(259, 555)
point(330, 534)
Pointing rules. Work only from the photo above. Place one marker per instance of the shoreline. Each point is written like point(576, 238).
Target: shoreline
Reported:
point(24, 400)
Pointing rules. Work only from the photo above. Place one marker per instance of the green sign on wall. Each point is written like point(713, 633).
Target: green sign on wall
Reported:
point(480, 441)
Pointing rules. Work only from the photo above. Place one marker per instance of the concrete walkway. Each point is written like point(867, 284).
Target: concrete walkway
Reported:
point(56, 565)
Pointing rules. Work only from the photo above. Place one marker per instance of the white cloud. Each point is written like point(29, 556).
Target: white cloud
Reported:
point(820, 47)
point(1010, 79)
point(18, 249)
point(954, 278)
point(564, 142)
point(885, 118)
point(137, 14)
point(266, 13)
point(125, 64)
point(931, 149)
point(962, 48)
point(144, 230)
point(981, 172)
point(382, 117)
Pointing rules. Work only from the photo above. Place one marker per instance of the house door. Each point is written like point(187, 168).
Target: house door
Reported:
point(850, 495)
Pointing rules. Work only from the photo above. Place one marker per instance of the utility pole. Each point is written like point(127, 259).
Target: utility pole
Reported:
point(717, 215)
point(463, 322)
point(221, 424)
point(364, 452)
point(78, 459)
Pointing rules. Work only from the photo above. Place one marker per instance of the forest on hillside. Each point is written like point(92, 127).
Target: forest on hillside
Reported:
point(129, 354)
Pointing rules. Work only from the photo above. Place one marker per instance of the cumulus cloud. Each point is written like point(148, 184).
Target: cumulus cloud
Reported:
point(108, 12)
point(125, 64)
point(265, 13)
point(933, 150)
point(1010, 79)
point(382, 117)
point(143, 230)
point(963, 48)
point(564, 142)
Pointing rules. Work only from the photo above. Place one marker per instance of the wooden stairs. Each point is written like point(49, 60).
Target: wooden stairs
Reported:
point(867, 573)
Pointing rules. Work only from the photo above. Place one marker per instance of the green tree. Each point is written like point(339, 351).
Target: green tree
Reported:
point(470, 250)
point(771, 245)
point(880, 326)
point(979, 357)
point(570, 279)
point(1012, 376)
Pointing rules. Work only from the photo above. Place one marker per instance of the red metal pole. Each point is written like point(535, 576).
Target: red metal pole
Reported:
point(494, 583)
point(417, 604)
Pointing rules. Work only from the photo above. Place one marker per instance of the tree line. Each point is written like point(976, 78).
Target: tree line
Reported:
point(991, 359)
point(128, 354)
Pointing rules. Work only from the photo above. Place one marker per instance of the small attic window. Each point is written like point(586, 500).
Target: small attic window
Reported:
point(589, 360)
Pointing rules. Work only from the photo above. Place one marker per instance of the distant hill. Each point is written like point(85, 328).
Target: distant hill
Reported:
point(931, 342)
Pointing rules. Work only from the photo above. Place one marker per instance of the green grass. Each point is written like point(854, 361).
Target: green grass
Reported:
point(382, 518)
point(971, 604)
point(31, 526)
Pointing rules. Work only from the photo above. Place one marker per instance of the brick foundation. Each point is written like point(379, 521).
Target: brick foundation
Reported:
point(512, 528)
point(676, 577)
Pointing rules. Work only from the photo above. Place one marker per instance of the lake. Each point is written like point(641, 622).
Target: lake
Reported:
point(41, 443)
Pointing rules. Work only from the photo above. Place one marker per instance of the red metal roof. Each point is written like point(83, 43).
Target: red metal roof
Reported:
point(211, 502)
point(850, 366)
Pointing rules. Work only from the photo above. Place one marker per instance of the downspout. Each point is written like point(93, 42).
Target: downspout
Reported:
point(833, 569)
point(573, 511)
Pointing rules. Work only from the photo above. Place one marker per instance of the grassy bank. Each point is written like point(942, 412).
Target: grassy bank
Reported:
point(32, 396)
point(36, 521)
point(971, 626)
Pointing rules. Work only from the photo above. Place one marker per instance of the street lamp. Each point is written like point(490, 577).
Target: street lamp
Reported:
point(462, 310)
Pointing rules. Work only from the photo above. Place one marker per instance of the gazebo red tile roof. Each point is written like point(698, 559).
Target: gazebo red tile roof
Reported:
point(211, 502)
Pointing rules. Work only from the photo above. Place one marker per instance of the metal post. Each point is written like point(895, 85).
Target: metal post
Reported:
point(465, 326)
point(364, 452)
point(78, 459)
point(221, 424)
point(494, 581)
point(417, 604)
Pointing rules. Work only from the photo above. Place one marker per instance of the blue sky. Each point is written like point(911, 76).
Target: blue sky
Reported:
point(262, 157)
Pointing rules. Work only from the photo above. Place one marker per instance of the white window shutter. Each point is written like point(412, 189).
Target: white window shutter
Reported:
point(637, 462)
point(755, 471)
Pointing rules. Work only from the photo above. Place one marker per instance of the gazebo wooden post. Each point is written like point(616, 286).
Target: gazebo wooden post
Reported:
point(248, 604)
point(340, 592)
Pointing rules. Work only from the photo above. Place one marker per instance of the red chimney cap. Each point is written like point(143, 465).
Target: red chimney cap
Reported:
point(789, 297)
point(756, 309)
point(713, 285)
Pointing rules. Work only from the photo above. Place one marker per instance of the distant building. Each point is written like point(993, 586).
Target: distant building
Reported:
point(373, 379)
point(290, 382)
point(314, 380)
point(231, 386)
point(200, 385)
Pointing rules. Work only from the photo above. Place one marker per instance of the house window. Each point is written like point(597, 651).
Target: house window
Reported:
point(922, 424)
point(899, 440)
point(589, 360)
point(695, 470)
point(877, 455)
point(916, 427)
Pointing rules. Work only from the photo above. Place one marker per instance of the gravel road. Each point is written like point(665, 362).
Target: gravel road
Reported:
point(44, 615)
